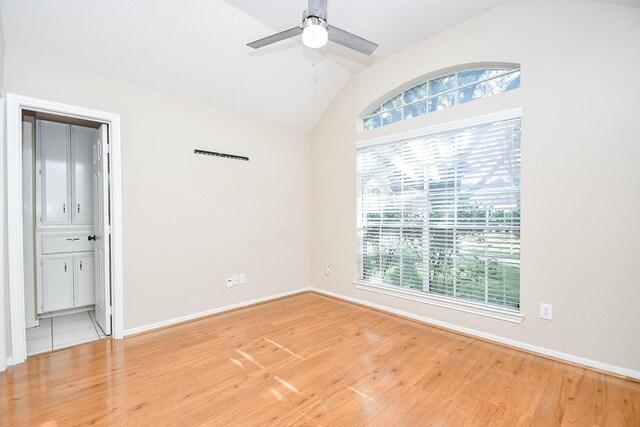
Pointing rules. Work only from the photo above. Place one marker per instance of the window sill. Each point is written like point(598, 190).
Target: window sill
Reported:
point(466, 307)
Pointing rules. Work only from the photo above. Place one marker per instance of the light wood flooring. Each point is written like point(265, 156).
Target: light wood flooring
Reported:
point(308, 360)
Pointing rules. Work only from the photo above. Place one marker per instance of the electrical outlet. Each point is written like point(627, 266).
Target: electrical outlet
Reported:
point(242, 278)
point(235, 280)
point(229, 282)
point(327, 270)
point(546, 311)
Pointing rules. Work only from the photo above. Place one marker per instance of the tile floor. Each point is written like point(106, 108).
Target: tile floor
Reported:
point(63, 331)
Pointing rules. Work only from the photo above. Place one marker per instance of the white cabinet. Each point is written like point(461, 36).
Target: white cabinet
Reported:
point(82, 180)
point(64, 202)
point(67, 281)
point(57, 283)
point(84, 292)
point(65, 276)
point(54, 169)
point(64, 190)
point(66, 241)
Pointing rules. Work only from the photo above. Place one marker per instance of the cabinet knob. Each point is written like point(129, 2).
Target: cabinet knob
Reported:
point(92, 237)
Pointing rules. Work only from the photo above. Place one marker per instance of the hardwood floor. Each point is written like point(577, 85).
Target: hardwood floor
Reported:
point(308, 360)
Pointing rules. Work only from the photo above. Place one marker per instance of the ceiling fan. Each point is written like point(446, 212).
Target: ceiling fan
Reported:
point(316, 32)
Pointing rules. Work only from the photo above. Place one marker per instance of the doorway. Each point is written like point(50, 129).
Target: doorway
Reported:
point(66, 294)
point(76, 236)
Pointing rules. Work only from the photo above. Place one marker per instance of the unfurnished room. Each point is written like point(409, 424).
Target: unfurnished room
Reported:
point(320, 212)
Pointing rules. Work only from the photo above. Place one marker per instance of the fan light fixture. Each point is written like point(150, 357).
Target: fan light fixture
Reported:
point(314, 32)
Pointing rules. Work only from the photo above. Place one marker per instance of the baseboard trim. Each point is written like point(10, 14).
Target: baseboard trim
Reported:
point(8, 362)
point(214, 311)
point(553, 354)
point(542, 351)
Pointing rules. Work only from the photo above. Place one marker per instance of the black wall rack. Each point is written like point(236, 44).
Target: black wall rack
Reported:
point(216, 154)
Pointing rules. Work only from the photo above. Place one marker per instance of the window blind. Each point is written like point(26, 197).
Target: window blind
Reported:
point(441, 213)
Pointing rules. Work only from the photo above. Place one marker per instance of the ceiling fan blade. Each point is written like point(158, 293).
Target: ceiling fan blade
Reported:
point(351, 41)
point(275, 37)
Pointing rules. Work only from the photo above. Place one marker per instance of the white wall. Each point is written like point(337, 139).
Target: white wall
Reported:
point(192, 221)
point(580, 170)
point(1, 54)
point(4, 284)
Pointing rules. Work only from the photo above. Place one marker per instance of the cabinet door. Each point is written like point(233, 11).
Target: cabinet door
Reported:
point(54, 144)
point(82, 176)
point(84, 294)
point(57, 282)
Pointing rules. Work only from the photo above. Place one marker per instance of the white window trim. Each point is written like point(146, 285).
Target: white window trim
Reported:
point(442, 301)
point(497, 313)
point(444, 127)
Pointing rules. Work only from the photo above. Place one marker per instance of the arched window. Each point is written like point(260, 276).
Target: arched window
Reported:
point(444, 92)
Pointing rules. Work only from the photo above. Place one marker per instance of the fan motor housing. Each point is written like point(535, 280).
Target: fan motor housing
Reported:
point(316, 11)
point(313, 20)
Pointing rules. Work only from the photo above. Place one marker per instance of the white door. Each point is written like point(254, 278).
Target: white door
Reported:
point(55, 152)
point(57, 283)
point(81, 153)
point(101, 230)
point(84, 290)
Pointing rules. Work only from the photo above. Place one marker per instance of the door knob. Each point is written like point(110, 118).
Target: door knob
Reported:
point(92, 237)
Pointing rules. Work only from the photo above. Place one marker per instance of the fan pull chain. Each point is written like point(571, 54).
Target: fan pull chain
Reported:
point(313, 65)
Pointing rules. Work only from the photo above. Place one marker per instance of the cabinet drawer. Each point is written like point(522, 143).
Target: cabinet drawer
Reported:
point(72, 242)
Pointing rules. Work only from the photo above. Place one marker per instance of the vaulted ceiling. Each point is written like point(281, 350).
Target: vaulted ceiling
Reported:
point(197, 48)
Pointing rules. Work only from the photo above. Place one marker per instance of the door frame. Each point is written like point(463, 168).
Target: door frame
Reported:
point(15, 104)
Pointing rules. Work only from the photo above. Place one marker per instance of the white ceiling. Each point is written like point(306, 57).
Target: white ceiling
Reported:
point(197, 48)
